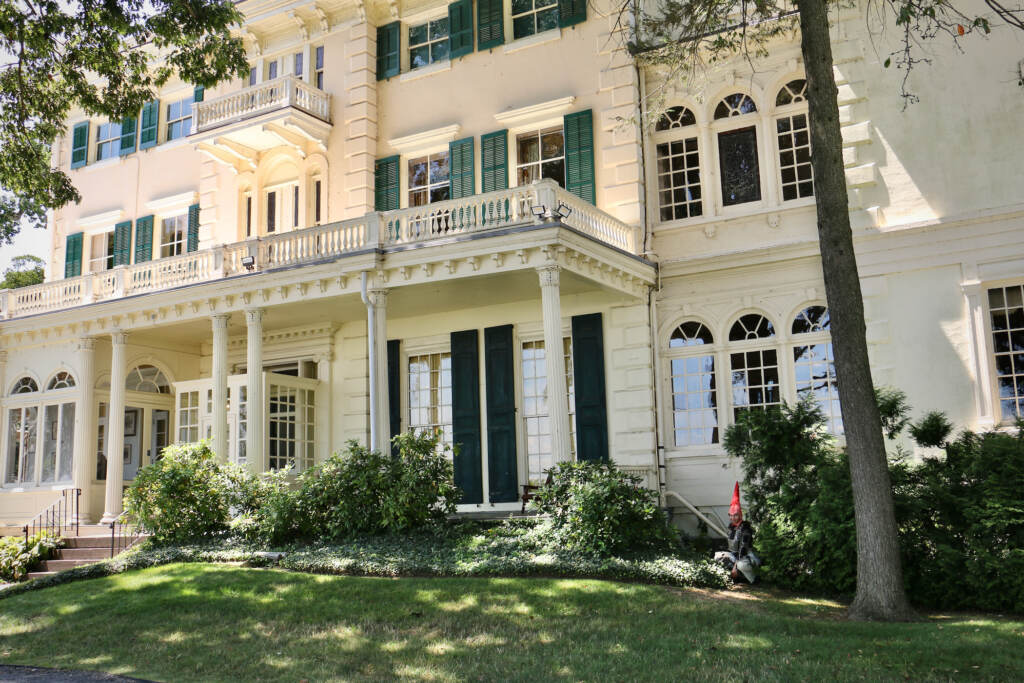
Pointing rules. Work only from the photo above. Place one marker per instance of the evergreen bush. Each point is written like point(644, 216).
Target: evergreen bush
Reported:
point(597, 509)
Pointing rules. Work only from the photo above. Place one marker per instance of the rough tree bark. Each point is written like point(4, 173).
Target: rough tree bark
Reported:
point(880, 593)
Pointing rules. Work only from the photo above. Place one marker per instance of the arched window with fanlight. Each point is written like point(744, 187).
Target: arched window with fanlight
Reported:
point(678, 165)
point(739, 168)
point(814, 363)
point(62, 380)
point(794, 139)
point(147, 378)
point(754, 363)
point(694, 402)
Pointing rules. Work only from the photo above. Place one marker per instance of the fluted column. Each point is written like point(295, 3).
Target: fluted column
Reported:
point(377, 321)
point(85, 426)
point(255, 419)
point(220, 386)
point(558, 394)
point(115, 430)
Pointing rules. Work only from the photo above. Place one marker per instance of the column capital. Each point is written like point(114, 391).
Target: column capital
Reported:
point(377, 297)
point(254, 315)
point(85, 343)
point(549, 274)
point(220, 320)
point(118, 338)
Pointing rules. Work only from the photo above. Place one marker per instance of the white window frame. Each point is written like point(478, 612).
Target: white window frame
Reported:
point(539, 131)
point(717, 350)
point(429, 44)
point(832, 412)
point(185, 114)
point(174, 247)
point(112, 143)
point(40, 400)
point(420, 350)
point(682, 134)
point(407, 190)
point(285, 208)
point(510, 22)
point(990, 351)
point(106, 261)
point(790, 111)
point(527, 473)
point(318, 63)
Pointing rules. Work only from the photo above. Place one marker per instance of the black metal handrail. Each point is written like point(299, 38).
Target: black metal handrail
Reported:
point(59, 517)
point(123, 534)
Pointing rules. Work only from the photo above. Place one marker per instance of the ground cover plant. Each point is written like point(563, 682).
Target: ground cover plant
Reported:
point(223, 623)
point(959, 510)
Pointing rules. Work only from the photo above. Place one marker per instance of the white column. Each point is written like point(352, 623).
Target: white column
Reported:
point(255, 420)
point(115, 430)
point(377, 321)
point(324, 433)
point(558, 395)
point(220, 386)
point(85, 426)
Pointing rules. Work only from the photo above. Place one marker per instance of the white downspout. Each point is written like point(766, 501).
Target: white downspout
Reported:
point(371, 340)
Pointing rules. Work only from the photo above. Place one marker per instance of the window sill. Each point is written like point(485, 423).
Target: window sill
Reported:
point(761, 210)
point(106, 163)
point(423, 71)
point(531, 41)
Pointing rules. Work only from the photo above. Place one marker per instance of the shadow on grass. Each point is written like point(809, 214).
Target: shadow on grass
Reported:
point(214, 622)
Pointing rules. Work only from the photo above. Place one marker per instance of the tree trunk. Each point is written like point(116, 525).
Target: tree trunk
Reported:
point(880, 593)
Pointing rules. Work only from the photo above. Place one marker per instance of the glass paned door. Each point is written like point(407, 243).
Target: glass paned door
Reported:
point(159, 434)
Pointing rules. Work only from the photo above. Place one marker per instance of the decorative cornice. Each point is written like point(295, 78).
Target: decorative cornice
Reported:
point(535, 112)
point(418, 142)
point(104, 219)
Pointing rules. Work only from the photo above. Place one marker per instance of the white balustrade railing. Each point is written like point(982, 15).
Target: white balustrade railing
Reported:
point(279, 93)
point(419, 225)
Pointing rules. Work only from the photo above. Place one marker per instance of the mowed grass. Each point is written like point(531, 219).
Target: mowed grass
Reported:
point(224, 623)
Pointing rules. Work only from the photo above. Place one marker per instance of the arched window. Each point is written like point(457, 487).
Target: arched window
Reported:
point(737, 152)
point(62, 380)
point(694, 397)
point(755, 369)
point(794, 139)
point(25, 385)
point(678, 163)
point(147, 378)
point(814, 363)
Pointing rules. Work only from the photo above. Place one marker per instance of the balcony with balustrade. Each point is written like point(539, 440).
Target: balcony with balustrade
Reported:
point(236, 127)
point(439, 225)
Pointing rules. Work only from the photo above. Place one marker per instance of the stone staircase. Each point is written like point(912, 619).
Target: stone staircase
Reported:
point(92, 544)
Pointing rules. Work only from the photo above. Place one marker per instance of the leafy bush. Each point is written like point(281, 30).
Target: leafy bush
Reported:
point(932, 430)
point(595, 508)
point(960, 517)
point(363, 491)
point(184, 495)
point(18, 558)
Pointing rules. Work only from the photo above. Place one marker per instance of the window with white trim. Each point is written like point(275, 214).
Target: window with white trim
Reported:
point(541, 154)
point(738, 162)
point(318, 67)
point(753, 364)
point(428, 42)
point(290, 427)
point(1006, 321)
point(21, 444)
point(147, 378)
point(814, 364)
point(173, 232)
point(536, 416)
point(428, 179)
point(691, 357)
point(188, 416)
point(282, 207)
point(678, 165)
point(108, 140)
point(794, 140)
point(179, 118)
point(62, 380)
point(40, 433)
point(101, 252)
point(530, 17)
point(430, 395)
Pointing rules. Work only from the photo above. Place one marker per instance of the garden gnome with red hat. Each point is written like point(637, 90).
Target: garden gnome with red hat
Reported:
point(740, 559)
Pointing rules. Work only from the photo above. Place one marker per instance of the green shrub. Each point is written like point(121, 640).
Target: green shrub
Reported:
point(597, 509)
point(893, 409)
point(960, 517)
point(184, 495)
point(18, 558)
point(363, 491)
point(932, 430)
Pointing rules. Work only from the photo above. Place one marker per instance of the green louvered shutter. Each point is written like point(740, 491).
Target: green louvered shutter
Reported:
point(80, 144)
point(460, 28)
point(490, 20)
point(123, 243)
point(494, 161)
point(144, 239)
point(499, 360)
point(388, 63)
point(571, 12)
point(198, 93)
point(73, 255)
point(579, 155)
point(385, 184)
point(466, 414)
point(193, 228)
point(150, 124)
point(461, 182)
point(394, 389)
point(128, 131)
point(588, 375)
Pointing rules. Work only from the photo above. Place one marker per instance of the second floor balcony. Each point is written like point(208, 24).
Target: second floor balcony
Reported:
point(237, 126)
point(489, 215)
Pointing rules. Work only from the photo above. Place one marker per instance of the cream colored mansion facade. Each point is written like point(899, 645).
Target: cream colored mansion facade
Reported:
point(408, 205)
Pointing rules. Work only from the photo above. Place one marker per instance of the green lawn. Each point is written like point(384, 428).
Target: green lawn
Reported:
point(216, 622)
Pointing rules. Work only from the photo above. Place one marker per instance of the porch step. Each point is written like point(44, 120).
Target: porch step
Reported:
point(88, 541)
point(60, 565)
point(37, 575)
point(91, 554)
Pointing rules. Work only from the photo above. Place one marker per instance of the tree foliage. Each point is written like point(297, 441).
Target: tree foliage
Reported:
point(107, 58)
point(24, 271)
